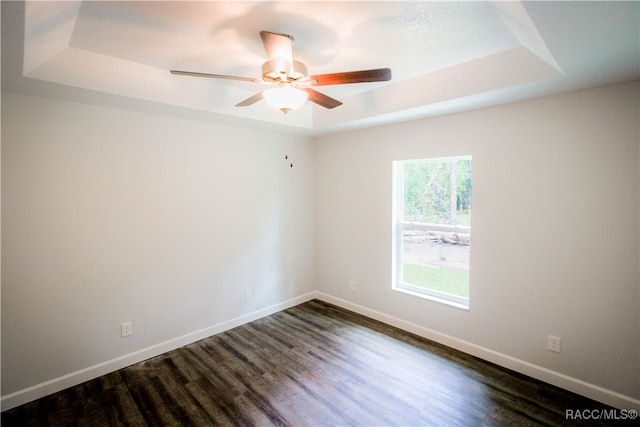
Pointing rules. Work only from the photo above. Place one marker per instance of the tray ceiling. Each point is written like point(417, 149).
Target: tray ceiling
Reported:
point(445, 56)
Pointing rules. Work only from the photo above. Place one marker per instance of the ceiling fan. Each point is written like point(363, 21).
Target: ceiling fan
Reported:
point(289, 79)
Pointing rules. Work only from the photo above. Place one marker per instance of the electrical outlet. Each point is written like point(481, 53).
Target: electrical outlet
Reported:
point(553, 344)
point(248, 295)
point(352, 285)
point(126, 329)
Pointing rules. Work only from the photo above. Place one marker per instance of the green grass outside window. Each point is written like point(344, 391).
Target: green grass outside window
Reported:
point(453, 282)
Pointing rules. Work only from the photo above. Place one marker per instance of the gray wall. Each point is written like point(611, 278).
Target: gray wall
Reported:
point(555, 230)
point(111, 215)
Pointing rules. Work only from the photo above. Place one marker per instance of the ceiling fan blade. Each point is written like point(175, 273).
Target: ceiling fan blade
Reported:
point(279, 52)
point(214, 76)
point(362, 76)
point(322, 99)
point(249, 101)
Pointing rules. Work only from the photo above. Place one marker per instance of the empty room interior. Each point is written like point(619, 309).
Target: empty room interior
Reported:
point(176, 171)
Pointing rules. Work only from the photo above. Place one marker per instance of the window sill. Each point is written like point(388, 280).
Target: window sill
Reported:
point(434, 298)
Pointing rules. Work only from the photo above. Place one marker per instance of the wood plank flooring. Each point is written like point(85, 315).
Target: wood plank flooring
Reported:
point(312, 365)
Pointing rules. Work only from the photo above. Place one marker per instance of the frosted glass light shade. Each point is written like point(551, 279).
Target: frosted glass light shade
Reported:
point(285, 98)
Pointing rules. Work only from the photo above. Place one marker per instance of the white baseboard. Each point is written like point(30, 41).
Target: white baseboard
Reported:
point(575, 385)
point(583, 388)
point(37, 391)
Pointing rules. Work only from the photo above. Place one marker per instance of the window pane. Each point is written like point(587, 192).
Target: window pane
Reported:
point(436, 260)
point(437, 192)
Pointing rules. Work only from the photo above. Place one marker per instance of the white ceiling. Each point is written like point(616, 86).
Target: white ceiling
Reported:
point(445, 56)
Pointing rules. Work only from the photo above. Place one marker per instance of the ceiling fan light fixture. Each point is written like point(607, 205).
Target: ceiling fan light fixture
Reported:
point(285, 98)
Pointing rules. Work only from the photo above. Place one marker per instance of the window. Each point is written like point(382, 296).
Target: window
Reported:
point(432, 228)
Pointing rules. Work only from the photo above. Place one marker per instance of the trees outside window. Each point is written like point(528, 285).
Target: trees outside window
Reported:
point(432, 228)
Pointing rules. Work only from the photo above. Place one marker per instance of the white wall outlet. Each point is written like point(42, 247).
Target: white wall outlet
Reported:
point(352, 285)
point(553, 344)
point(126, 329)
point(248, 294)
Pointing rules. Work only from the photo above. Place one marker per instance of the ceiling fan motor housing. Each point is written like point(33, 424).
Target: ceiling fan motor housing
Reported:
point(270, 75)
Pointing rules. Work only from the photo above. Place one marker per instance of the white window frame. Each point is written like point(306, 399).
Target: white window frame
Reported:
point(398, 230)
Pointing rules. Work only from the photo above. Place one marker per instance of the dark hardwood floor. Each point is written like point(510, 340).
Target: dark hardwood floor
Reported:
point(311, 365)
